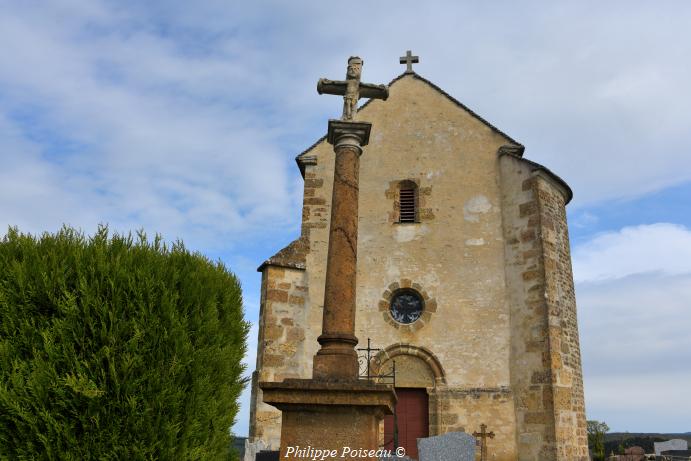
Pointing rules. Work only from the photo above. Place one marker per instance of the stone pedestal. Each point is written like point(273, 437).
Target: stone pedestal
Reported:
point(339, 418)
point(335, 412)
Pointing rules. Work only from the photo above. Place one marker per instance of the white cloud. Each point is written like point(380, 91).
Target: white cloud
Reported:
point(640, 402)
point(189, 117)
point(32, 191)
point(662, 247)
point(634, 298)
point(584, 220)
point(636, 347)
point(639, 322)
point(153, 138)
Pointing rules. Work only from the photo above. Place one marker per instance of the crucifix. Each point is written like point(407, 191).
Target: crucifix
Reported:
point(337, 358)
point(483, 434)
point(409, 60)
point(335, 408)
point(352, 89)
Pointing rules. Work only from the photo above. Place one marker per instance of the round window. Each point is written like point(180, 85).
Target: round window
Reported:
point(406, 306)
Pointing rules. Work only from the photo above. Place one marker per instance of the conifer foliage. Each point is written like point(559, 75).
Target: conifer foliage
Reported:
point(113, 347)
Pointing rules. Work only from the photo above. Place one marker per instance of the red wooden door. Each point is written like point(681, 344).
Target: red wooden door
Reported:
point(412, 415)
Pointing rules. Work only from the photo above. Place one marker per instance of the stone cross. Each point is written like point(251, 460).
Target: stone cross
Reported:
point(352, 89)
point(337, 359)
point(483, 434)
point(409, 60)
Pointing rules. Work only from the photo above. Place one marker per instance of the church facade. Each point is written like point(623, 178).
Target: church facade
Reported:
point(463, 279)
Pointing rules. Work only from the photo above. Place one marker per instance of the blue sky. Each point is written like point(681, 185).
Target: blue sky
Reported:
point(185, 119)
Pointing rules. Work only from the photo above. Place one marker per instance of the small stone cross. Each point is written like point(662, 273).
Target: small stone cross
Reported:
point(352, 89)
point(483, 434)
point(409, 60)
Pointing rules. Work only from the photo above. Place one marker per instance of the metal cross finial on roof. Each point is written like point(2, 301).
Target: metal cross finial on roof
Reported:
point(409, 60)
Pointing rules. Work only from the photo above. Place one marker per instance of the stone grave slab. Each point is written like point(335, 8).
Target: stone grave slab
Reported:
point(453, 446)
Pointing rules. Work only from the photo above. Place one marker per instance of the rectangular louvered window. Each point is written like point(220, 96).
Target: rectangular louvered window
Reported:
point(407, 203)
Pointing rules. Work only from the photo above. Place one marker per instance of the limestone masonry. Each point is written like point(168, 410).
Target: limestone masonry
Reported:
point(496, 341)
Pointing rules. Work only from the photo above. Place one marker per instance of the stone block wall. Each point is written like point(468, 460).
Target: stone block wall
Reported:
point(530, 369)
point(280, 352)
point(545, 365)
point(565, 356)
point(315, 209)
point(463, 410)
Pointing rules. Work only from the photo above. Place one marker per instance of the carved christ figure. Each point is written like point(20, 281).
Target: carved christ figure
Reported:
point(352, 89)
point(352, 92)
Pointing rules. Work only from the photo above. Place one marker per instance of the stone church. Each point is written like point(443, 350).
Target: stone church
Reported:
point(463, 280)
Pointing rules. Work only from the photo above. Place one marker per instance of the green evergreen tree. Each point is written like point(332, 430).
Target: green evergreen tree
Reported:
point(116, 348)
point(596, 438)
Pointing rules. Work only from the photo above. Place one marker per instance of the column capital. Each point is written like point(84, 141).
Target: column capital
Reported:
point(348, 133)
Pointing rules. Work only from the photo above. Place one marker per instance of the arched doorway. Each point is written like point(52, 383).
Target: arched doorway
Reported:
point(417, 374)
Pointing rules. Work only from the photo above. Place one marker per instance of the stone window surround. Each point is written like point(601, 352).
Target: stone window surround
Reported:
point(430, 305)
point(423, 211)
point(409, 185)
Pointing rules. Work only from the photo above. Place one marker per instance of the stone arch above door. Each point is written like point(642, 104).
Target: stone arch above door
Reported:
point(415, 366)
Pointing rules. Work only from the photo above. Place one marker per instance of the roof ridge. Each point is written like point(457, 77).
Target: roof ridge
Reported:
point(435, 87)
point(463, 106)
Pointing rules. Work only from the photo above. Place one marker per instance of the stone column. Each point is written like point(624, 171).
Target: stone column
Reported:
point(337, 359)
point(335, 411)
